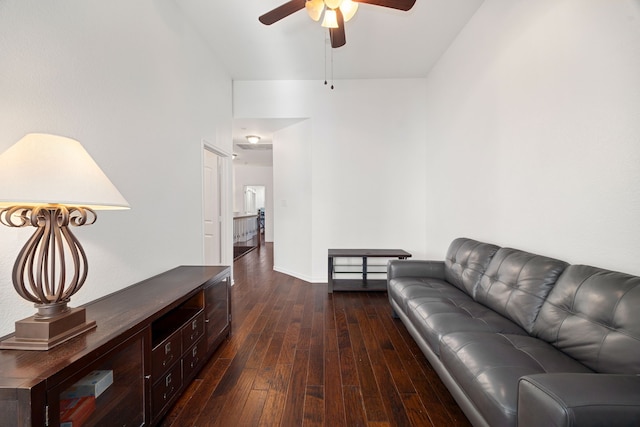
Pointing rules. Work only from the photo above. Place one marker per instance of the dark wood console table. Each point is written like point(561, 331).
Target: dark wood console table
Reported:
point(362, 283)
point(151, 340)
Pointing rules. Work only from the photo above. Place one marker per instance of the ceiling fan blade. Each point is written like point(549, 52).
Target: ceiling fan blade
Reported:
point(338, 36)
point(282, 11)
point(393, 4)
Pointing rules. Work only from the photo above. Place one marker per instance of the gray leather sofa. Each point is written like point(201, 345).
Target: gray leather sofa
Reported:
point(523, 339)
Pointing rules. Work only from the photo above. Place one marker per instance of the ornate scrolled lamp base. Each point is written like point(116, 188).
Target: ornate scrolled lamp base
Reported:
point(40, 275)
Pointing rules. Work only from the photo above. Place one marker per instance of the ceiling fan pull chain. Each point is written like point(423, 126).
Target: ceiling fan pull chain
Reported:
point(325, 60)
point(327, 43)
point(331, 68)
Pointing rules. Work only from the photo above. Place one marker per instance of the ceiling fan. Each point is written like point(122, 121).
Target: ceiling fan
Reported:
point(336, 13)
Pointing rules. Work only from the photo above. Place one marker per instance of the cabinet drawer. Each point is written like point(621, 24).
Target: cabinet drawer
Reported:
point(193, 330)
point(166, 354)
point(193, 359)
point(165, 388)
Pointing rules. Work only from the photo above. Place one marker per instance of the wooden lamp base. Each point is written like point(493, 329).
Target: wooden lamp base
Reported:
point(35, 333)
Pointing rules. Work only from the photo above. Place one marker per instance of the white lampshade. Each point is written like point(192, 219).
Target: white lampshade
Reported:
point(314, 9)
point(348, 9)
point(49, 169)
point(333, 4)
point(330, 19)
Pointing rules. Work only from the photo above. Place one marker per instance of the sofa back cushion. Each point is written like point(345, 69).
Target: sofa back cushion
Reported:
point(516, 283)
point(593, 315)
point(465, 262)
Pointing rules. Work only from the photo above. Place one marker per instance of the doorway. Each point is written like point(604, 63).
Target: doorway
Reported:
point(254, 198)
point(212, 169)
point(255, 202)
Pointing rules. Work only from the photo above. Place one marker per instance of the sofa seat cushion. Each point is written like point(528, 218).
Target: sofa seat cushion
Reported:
point(404, 289)
point(435, 317)
point(487, 366)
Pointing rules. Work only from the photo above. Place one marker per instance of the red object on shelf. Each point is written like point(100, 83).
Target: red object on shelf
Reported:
point(75, 412)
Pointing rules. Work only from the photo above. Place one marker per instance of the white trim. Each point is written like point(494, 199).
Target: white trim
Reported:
point(226, 252)
point(299, 276)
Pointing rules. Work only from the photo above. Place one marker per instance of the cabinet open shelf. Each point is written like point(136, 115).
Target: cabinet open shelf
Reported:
point(355, 262)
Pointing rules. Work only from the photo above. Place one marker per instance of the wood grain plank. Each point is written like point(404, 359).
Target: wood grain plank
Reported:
point(267, 369)
point(315, 375)
point(237, 399)
point(334, 402)
point(289, 345)
point(293, 411)
point(347, 362)
point(418, 415)
point(252, 411)
point(276, 397)
point(371, 391)
point(313, 406)
point(392, 401)
point(354, 408)
point(213, 407)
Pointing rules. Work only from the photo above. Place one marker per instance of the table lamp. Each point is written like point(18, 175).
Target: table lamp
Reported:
point(51, 183)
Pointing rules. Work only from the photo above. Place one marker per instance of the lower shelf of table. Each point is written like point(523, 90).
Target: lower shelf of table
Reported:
point(351, 285)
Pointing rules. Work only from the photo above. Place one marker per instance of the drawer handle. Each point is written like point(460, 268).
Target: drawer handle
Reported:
point(167, 348)
point(194, 362)
point(167, 381)
point(166, 394)
point(167, 361)
point(194, 325)
point(194, 352)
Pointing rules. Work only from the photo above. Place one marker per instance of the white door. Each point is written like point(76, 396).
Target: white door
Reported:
point(212, 212)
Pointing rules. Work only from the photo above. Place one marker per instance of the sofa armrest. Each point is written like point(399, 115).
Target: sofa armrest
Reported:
point(578, 400)
point(415, 268)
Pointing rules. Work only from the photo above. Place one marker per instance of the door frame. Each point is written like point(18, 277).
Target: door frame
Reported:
point(226, 214)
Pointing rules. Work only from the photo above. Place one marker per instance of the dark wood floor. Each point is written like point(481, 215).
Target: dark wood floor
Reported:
point(299, 356)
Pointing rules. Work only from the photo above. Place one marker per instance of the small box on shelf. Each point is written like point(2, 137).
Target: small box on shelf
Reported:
point(93, 384)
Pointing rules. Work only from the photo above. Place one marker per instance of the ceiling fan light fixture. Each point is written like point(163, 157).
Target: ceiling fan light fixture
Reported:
point(333, 4)
point(348, 9)
point(253, 139)
point(330, 19)
point(314, 9)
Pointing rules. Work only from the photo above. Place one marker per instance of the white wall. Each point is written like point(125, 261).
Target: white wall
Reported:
point(533, 131)
point(255, 175)
point(140, 90)
point(293, 209)
point(361, 153)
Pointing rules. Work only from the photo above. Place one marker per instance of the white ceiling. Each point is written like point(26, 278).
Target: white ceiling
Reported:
point(381, 43)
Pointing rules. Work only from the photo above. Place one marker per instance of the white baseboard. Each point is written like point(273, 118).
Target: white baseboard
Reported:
point(300, 276)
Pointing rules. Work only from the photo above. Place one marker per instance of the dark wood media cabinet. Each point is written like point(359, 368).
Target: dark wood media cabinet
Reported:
point(151, 340)
point(364, 270)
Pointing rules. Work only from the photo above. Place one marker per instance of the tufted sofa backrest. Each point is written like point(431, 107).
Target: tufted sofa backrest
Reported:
point(593, 315)
point(516, 283)
point(465, 262)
